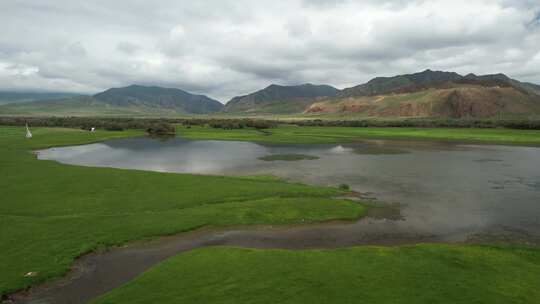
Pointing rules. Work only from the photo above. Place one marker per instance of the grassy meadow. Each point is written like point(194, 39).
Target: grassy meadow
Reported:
point(313, 135)
point(51, 213)
point(405, 274)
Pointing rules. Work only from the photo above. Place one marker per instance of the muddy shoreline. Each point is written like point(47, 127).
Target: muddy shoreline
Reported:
point(97, 273)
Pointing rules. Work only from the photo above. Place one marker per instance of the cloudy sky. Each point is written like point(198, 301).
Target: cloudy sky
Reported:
point(226, 48)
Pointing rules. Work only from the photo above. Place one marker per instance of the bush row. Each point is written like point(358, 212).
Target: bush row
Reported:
point(426, 123)
point(164, 125)
point(153, 126)
point(150, 124)
point(242, 123)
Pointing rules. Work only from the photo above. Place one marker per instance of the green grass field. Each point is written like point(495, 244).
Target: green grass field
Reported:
point(310, 135)
point(406, 274)
point(51, 213)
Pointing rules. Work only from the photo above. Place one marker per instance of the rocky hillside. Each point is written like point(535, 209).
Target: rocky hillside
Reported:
point(435, 94)
point(280, 99)
point(409, 82)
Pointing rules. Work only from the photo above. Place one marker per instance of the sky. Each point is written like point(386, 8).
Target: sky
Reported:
point(227, 48)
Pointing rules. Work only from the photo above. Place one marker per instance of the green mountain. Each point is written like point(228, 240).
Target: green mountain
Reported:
point(15, 97)
point(435, 94)
point(75, 106)
point(159, 98)
point(278, 99)
point(133, 100)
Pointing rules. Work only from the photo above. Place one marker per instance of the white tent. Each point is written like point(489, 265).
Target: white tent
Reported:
point(28, 133)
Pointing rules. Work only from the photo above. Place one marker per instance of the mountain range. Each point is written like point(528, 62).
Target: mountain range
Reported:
point(16, 97)
point(280, 99)
point(435, 94)
point(424, 94)
point(134, 100)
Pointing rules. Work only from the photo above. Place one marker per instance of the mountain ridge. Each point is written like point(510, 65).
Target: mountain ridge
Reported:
point(383, 85)
point(159, 97)
point(424, 94)
point(136, 100)
point(7, 97)
point(274, 96)
point(435, 94)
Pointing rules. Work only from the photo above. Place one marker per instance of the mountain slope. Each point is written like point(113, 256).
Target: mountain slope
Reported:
point(280, 99)
point(435, 94)
point(457, 102)
point(157, 97)
point(16, 97)
point(425, 94)
point(385, 85)
point(74, 106)
point(128, 101)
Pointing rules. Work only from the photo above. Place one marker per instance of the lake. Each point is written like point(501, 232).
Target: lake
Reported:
point(447, 191)
point(426, 192)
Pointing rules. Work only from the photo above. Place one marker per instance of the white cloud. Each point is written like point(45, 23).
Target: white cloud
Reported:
point(226, 48)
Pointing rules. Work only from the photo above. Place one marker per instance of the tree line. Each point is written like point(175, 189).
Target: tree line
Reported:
point(166, 125)
point(523, 124)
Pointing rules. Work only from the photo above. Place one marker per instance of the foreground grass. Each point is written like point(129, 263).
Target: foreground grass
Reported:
point(408, 274)
point(309, 135)
point(51, 213)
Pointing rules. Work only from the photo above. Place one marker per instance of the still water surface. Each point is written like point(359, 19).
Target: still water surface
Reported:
point(447, 190)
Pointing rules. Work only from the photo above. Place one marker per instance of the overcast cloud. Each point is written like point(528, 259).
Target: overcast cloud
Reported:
point(227, 48)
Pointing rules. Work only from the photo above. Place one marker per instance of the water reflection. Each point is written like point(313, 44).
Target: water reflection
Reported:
point(445, 189)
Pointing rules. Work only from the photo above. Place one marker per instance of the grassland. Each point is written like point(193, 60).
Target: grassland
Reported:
point(51, 213)
point(79, 107)
point(310, 135)
point(407, 274)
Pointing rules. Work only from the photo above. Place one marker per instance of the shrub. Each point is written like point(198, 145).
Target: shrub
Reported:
point(114, 127)
point(161, 129)
point(111, 123)
point(344, 187)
